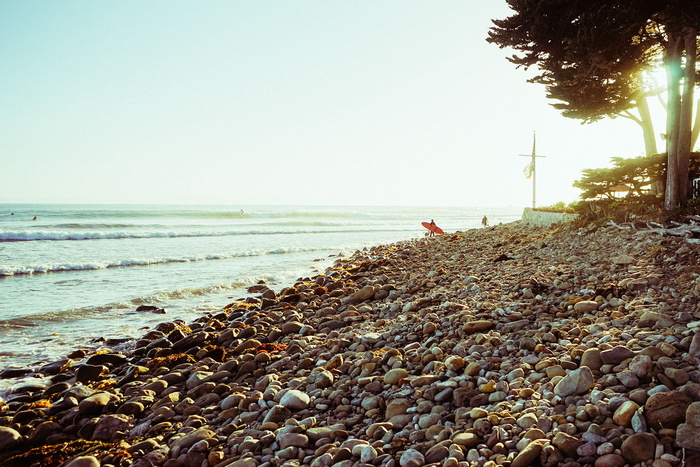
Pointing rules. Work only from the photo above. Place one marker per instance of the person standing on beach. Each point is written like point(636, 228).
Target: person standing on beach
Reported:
point(484, 221)
point(432, 228)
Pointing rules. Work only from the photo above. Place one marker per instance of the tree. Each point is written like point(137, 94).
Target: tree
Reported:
point(592, 56)
point(638, 174)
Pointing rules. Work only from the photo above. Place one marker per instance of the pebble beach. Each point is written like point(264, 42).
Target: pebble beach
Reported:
point(508, 345)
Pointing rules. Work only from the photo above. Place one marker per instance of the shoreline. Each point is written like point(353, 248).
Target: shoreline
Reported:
point(172, 258)
point(491, 346)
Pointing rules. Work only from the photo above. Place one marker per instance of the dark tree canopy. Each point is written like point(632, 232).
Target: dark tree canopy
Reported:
point(590, 56)
point(584, 55)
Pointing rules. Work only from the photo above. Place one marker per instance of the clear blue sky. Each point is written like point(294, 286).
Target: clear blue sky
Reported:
point(393, 102)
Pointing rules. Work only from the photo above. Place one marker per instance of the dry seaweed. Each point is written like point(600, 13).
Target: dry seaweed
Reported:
point(56, 454)
point(170, 361)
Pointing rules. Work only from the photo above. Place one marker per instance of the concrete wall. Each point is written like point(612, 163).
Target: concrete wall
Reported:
point(543, 219)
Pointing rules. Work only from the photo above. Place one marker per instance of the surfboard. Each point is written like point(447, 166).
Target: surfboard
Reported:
point(433, 228)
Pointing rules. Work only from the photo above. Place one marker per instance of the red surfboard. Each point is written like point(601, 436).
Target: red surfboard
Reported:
point(432, 228)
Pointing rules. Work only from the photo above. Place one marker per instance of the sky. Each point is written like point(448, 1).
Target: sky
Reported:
point(306, 102)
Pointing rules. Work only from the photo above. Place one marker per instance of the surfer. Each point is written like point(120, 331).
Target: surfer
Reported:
point(432, 228)
point(34, 218)
point(484, 221)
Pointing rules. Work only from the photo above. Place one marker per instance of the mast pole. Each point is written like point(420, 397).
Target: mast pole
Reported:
point(533, 168)
point(534, 171)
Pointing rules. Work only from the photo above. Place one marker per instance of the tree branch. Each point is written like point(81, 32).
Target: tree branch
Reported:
point(631, 116)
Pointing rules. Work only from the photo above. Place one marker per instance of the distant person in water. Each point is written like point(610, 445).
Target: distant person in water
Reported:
point(484, 221)
point(34, 218)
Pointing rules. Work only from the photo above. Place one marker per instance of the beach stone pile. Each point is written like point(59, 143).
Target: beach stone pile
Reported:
point(508, 345)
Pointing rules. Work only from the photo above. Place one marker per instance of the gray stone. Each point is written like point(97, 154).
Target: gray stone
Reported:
point(578, 381)
point(641, 365)
point(192, 437)
point(395, 375)
point(108, 425)
point(411, 458)
point(295, 400)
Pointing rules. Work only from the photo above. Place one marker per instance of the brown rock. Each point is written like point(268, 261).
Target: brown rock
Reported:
point(466, 440)
point(86, 373)
point(610, 460)
point(616, 355)
point(94, 404)
point(585, 306)
point(591, 359)
point(566, 443)
point(692, 414)
point(640, 447)
point(291, 327)
point(688, 436)
point(666, 409)
point(83, 461)
point(395, 376)
point(694, 350)
point(473, 327)
point(623, 415)
point(365, 293)
point(397, 407)
point(108, 425)
point(688, 433)
point(436, 454)
point(528, 455)
point(679, 377)
point(461, 396)
point(9, 438)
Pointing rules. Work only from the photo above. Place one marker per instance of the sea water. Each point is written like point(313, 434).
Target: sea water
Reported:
point(72, 276)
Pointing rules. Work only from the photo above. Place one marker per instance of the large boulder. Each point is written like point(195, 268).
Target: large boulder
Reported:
point(666, 409)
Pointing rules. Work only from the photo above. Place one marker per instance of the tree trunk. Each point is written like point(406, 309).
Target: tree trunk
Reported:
point(685, 130)
point(647, 126)
point(696, 126)
point(672, 61)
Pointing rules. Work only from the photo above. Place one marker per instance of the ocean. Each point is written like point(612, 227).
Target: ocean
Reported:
point(73, 276)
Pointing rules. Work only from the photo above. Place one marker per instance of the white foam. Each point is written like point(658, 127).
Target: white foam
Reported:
point(33, 235)
point(91, 266)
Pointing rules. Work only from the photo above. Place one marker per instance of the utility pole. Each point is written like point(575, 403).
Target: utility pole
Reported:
point(530, 169)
